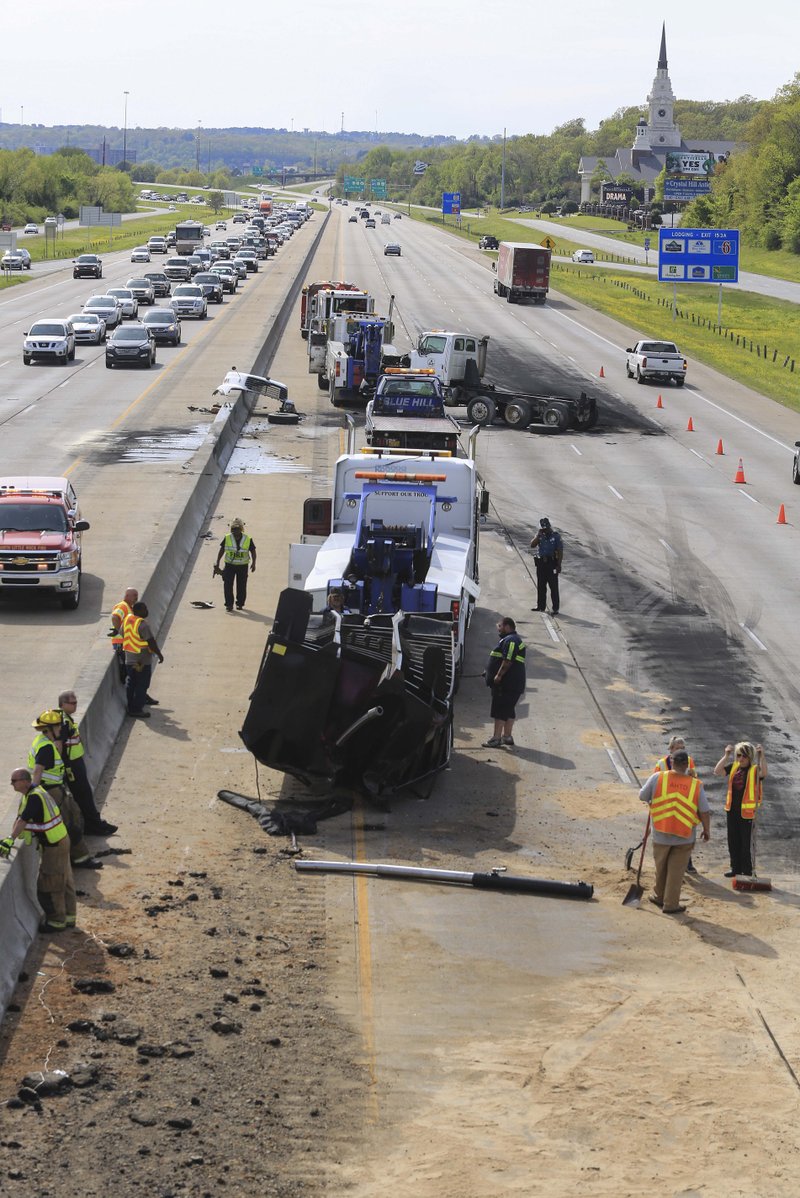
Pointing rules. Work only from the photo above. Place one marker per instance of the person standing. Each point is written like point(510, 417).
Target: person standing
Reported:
point(140, 649)
point(47, 770)
point(678, 803)
point(39, 820)
point(505, 674)
point(548, 550)
point(76, 776)
point(746, 768)
point(118, 614)
point(238, 549)
point(677, 743)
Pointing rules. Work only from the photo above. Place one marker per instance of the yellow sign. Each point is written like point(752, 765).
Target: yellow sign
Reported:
point(548, 243)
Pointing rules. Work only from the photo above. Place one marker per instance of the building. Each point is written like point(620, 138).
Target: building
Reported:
point(655, 137)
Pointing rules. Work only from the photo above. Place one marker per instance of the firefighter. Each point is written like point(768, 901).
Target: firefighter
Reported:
point(77, 777)
point(47, 770)
point(39, 820)
point(239, 549)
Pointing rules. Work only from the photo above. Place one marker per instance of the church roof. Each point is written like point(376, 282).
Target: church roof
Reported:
point(645, 165)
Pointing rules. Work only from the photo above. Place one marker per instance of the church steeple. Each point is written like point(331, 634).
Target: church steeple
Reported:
point(662, 54)
point(664, 133)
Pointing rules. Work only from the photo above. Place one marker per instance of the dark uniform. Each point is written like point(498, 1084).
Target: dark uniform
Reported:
point(511, 687)
point(548, 551)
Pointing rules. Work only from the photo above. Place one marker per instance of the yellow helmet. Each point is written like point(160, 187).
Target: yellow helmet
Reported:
point(237, 523)
point(48, 719)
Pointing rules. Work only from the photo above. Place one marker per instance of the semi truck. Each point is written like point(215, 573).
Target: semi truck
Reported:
point(308, 300)
point(522, 272)
point(458, 359)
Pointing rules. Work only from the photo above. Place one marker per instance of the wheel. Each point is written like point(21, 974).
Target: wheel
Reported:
point(639, 375)
point(72, 354)
point(109, 365)
point(322, 382)
point(517, 414)
point(679, 382)
point(203, 315)
point(628, 371)
point(70, 602)
point(555, 417)
point(283, 418)
point(481, 410)
point(26, 360)
point(796, 470)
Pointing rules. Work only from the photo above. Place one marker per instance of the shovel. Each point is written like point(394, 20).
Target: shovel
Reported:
point(634, 896)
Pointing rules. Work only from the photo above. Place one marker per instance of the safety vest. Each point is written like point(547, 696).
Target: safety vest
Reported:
point(73, 745)
point(52, 827)
point(131, 641)
point(54, 776)
point(663, 764)
point(674, 806)
point(514, 651)
point(752, 793)
point(237, 555)
point(122, 610)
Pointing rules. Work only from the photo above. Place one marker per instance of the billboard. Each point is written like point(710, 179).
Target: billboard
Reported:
point(451, 203)
point(698, 255)
point(688, 174)
point(616, 193)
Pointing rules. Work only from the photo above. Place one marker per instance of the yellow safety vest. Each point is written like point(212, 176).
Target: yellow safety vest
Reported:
point(674, 806)
point(73, 744)
point(237, 555)
point(55, 776)
point(131, 641)
point(52, 827)
point(752, 792)
point(122, 610)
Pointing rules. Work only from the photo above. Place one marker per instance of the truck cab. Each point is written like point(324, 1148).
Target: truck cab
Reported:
point(407, 412)
point(40, 537)
point(454, 357)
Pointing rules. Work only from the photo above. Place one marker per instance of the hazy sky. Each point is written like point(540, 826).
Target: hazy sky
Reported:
point(401, 65)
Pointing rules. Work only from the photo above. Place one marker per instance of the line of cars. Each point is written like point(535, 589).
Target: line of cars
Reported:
point(392, 248)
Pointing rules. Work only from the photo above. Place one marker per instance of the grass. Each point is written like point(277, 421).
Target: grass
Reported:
point(95, 239)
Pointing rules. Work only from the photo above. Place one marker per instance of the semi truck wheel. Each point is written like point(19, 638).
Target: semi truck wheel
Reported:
point(555, 417)
point(481, 410)
point(322, 382)
point(517, 414)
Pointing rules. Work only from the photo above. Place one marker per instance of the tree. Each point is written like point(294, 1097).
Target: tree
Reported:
point(215, 200)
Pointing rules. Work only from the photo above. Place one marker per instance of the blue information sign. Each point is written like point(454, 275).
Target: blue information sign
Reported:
point(698, 255)
point(451, 203)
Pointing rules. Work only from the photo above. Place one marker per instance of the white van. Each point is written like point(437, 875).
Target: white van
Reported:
point(386, 219)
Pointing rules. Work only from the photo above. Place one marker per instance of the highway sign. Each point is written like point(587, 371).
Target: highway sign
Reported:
point(451, 203)
point(352, 183)
point(548, 243)
point(378, 188)
point(698, 255)
point(258, 170)
point(647, 243)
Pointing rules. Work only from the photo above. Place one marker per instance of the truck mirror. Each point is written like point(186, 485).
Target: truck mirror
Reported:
point(82, 526)
point(484, 508)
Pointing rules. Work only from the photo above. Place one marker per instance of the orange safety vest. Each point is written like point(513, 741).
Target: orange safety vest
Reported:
point(661, 764)
point(752, 793)
point(674, 806)
point(122, 610)
point(131, 641)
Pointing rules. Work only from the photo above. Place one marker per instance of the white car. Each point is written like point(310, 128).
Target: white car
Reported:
point(128, 302)
point(221, 224)
point(583, 256)
point(189, 300)
point(31, 228)
point(106, 306)
point(89, 327)
point(140, 254)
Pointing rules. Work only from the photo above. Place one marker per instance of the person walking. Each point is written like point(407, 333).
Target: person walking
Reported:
point(505, 674)
point(39, 820)
point(118, 614)
point(140, 649)
point(746, 768)
point(548, 550)
point(46, 764)
point(238, 549)
point(677, 743)
point(678, 803)
point(76, 776)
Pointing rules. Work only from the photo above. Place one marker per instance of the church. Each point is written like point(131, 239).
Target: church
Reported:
point(655, 137)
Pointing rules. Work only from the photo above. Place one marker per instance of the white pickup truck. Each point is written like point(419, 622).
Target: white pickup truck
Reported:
point(656, 360)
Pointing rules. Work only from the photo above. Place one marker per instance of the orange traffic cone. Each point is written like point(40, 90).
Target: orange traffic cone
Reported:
point(659, 404)
point(740, 478)
point(781, 515)
point(602, 373)
point(720, 450)
point(690, 426)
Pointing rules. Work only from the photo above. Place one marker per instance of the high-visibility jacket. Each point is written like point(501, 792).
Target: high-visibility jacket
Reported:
point(512, 650)
point(52, 826)
point(73, 745)
point(237, 555)
point(131, 641)
point(665, 763)
point(674, 806)
point(51, 777)
point(122, 610)
point(751, 798)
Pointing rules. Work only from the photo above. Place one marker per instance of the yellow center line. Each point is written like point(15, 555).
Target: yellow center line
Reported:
point(364, 946)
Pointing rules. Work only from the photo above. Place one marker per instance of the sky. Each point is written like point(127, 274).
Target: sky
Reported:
point(408, 66)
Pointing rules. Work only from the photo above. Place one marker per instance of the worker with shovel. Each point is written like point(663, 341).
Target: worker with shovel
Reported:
point(678, 803)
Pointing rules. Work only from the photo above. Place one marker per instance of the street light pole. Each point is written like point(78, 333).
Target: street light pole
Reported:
point(197, 147)
point(125, 133)
point(503, 176)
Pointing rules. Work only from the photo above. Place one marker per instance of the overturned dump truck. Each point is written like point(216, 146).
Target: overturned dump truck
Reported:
point(359, 693)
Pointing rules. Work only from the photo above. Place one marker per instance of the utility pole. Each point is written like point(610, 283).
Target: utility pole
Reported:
point(197, 148)
point(125, 132)
point(503, 176)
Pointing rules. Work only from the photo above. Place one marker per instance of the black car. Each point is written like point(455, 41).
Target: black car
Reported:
point(211, 284)
point(87, 266)
point(164, 325)
point(160, 282)
point(487, 242)
point(131, 345)
point(392, 248)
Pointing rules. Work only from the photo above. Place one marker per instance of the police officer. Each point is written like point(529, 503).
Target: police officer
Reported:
point(505, 674)
point(548, 551)
point(239, 549)
point(39, 820)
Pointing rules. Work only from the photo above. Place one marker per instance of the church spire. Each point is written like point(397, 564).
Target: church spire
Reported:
point(662, 54)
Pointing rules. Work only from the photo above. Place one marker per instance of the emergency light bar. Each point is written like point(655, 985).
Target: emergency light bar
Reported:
point(377, 476)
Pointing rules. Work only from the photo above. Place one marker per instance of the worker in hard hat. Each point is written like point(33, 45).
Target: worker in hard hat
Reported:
point(238, 549)
point(39, 821)
point(46, 763)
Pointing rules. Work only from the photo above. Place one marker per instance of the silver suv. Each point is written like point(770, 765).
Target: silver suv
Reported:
point(52, 340)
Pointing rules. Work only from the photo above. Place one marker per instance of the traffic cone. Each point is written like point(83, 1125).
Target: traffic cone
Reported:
point(690, 426)
point(740, 478)
point(602, 373)
point(720, 450)
point(781, 515)
point(659, 404)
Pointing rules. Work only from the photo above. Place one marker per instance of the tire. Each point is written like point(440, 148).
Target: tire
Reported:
point(639, 376)
point(72, 354)
point(796, 470)
point(628, 371)
point(70, 602)
point(109, 365)
point(481, 410)
point(517, 414)
point(283, 418)
point(680, 382)
point(555, 417)
point(26, 360)
point(322, 382)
